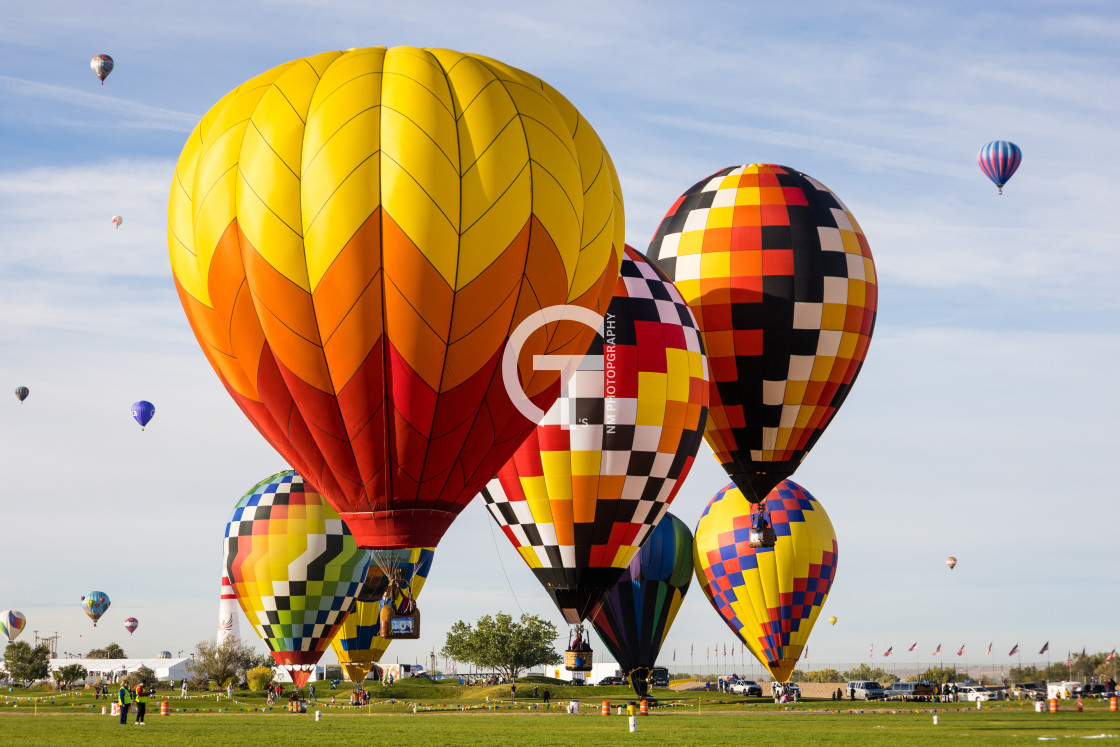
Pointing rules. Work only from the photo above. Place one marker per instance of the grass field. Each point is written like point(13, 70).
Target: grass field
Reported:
point(28, 718)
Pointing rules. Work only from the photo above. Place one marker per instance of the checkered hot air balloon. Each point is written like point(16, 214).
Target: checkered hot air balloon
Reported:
point(12, 624)
point(635, 614)
point(781, 279)
point(587, 487)
point(771, 596)
point(295, 569)
point(355, 235)
point(357, 644)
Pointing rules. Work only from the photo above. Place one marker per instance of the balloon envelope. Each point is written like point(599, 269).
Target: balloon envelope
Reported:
point(587, 487)
point(22, 392)
point(94, 604)
point(143, 412)
point(295, 569)
point(357, 644)
point(131, 624)
point(117, 221)
point(832, 620)
point(355, 235)
point(999, 160)
point(951, 562)
point(635, 615)
point(101, 65)
point(783, 285)
point(769, 596)
point(12, 624)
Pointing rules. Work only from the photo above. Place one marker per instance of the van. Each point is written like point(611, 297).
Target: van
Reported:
point(865, 690)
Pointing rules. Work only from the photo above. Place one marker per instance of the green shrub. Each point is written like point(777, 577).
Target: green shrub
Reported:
point(260, 678)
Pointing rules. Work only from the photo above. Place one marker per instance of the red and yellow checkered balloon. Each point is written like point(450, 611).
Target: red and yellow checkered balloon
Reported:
point(783, 285)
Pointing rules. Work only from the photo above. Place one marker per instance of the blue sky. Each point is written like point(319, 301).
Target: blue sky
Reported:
point(982, 425)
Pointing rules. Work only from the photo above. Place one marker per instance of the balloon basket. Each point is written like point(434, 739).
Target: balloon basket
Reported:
point(579, 661)
point(762, 538)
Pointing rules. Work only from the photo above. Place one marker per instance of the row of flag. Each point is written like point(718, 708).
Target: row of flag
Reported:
point(1014, 650)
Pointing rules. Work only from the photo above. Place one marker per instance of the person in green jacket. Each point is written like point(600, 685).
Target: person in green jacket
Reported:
point(124, 700)
point(141, 703)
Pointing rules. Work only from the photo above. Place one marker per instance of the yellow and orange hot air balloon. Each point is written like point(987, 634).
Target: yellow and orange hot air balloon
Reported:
point(769, 596)
point(354, 236)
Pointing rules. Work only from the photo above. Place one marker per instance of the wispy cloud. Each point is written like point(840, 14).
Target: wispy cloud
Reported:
point(125, 113)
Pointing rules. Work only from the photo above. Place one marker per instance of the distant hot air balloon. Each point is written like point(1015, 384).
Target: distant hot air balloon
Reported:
point(588, 486)
point(393, 215)
point(164, 655)
point(94, 604)
point(951, 562)
point(117, 221)
point(769, 596)
point(783, 285)
point(131, 624)
point(635, 615)
point(832, 620)
point(101, 65)
point(999, 160)
point(358, 645)
point(22, 392)
point(295, 568)
point(12, 624)
point(143, 411)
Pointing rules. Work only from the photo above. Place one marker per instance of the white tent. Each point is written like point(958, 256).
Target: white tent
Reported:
point(165, 669)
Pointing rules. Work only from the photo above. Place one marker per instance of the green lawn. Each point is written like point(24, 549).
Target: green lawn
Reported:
point(72, 720)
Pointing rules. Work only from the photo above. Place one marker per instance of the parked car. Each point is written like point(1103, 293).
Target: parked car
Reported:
point(865, 690)
point(1028, 691)
point(612, 681)
point(908, 690)
point(975, 693)
point(659, 677)
point(750, 688)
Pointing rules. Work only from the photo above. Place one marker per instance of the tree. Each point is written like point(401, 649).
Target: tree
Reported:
point(501, 644)
point(145, 675)
point(27, 664)
point(218, 663)
point(867, 672)
point(112, 651)
point(68, 674)
point(814, 675)
point(259, 678)
point(941, 675)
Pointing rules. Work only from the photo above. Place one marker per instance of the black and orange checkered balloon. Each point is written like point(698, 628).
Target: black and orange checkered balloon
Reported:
point(782, 283)
point(583, 492)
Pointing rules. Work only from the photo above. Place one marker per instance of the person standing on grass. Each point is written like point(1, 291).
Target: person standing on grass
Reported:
point(311, 695)
point(141, 703)
point(229, 690)
point(124, 700)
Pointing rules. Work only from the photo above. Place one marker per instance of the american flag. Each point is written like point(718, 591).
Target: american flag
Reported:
point(732, 650)
point(709, 653)
point(1069, 661)
point(937, 650)
point(871, 651)
point(913, 647)
point(806, 652)
point(725, 650)
point(989, 651)
point(889, 651)
point(1045, 648)
point(674, 654)
point(1082, 652)
point(1110, 657)
point(961, 652)
point(1013, 651)
point(690, 647)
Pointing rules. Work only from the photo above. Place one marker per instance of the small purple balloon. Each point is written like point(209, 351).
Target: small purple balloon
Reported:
point(143, 411)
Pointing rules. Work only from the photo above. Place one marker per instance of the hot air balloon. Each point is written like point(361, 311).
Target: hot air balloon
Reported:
point(131, 624)
point(117, 221)
point(770, 596)
point(142, 412)
point(22, 392)
point(101, 65)
point(781, 280)
point(587, 487)
point(358, 644)
point(12, 624)
point(164, 655)
point(832, 620)
point(634, 616)
point(951, 562)
point(295, 569)
point(999, 160)
point(95, 603)
point(355, 235)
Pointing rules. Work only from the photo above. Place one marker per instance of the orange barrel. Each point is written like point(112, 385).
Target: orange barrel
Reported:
point(1112, 704)
point(1080, 705)
point(606, 708)
point(164, 708)
point(1053, 705)
point(643, 708)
